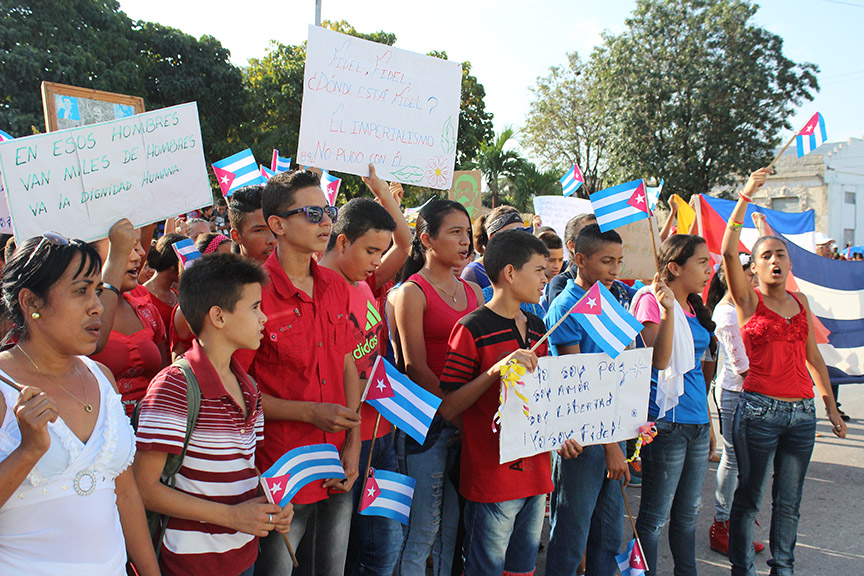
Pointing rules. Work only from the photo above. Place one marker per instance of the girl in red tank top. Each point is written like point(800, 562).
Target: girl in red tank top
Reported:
point(775, 423)
point(427, 307)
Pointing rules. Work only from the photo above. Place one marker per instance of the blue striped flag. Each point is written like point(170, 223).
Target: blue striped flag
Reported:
point(572, 180)
point(330, 184)
point(408, 406)
point(620, 205)
point(4, 136)
point(237, 171)
point(266, 172)
point(811, 136)
point(186, 252)
point(605, 320)
point(297, 468)
point(388, 494)
point(631, 562)
point(279, 164)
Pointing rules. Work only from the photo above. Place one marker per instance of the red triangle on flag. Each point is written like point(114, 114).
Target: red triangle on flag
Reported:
point(590, 303)
point(225, 179)
point(370, 492)
point(636, 560)
point(639, 200)
point(277, 486)
point(379, 384)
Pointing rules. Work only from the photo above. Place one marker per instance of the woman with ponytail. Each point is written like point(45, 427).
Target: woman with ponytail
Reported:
point(427, 306)
point(678, 326)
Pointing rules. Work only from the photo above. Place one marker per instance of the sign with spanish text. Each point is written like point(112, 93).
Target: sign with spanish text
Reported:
point(365, 102)
point(590, 398)
point(80, 181)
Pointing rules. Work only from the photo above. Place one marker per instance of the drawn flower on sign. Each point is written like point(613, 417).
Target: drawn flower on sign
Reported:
point(438, 172)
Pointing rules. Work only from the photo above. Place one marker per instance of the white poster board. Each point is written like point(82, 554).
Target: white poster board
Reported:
point(80, 181)
point(556, 211)
point(588, 397)
point(365, 102)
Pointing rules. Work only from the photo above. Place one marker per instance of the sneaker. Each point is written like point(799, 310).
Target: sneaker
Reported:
point(718, 536)
point(635, 473)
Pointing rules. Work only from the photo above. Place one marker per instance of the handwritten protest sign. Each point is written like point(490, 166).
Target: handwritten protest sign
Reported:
point(588, 397)
point(639, 262)
point(365, 102)
point(466, 191)
point(556, 211)
point(80, 181)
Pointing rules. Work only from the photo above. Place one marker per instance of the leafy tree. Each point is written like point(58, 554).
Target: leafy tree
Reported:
point(496, 163)
point(567, 122)
point(696, 93)
point(530, 181)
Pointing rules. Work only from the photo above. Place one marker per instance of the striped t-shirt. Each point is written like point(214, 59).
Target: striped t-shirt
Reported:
point(219, 465)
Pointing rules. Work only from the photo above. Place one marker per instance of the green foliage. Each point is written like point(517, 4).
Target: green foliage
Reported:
point(496, 163)
point(696, 93)
point(531, 181)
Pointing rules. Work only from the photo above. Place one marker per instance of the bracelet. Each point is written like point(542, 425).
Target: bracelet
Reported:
point(744, 198)
point(733, 225)
point(112, 288)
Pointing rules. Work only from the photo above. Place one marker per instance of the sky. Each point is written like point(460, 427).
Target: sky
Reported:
point(510, 43)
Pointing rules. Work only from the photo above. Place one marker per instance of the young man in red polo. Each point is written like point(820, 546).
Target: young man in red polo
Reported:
point(305, 369)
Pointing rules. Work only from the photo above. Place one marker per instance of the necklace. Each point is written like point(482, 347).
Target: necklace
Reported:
point(85, 403)
point(435, 284)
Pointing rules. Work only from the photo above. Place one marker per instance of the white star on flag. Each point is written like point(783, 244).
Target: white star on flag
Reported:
point(640, 199)
point(275, 488)
point(371, 491)
point(225, 179)
point(592, 302)
point(381, 386)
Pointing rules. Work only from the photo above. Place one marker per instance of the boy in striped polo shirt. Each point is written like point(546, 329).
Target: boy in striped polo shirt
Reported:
point(215, 514)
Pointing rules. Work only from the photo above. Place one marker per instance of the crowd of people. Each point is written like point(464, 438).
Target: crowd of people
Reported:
point(142, 399)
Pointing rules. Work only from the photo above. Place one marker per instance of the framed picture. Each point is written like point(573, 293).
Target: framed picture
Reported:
point(70, 106)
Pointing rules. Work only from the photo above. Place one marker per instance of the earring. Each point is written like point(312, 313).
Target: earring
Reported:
point(35, 315)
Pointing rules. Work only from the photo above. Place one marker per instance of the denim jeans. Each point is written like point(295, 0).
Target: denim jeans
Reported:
point(770, 432)
point(587, 509)
point(249, 571)
point(373, 547)
point(332, 518)
point(727, 470)
point(673, 472)
point(434, 518)
point(503, 537)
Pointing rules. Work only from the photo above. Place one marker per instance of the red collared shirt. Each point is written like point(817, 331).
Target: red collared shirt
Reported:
point(302, 358)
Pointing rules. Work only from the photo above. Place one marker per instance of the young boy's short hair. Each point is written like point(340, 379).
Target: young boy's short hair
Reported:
point(215, 280)
point(575, 225)
point(357, 217)
point(244, 201)
point(279, 192)
point(514, 247)
point(551, 240)
point(590, 239)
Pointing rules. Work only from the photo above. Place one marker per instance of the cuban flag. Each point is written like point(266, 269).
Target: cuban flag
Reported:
point(387, 494)
point(811, 136)
point(186, 252)
point(297, 468)
point(237, 171)
point(279, 164)
point(330, 184)
point(631, 562)
point(653, 194)
point(4, 136)
point(605, 320)
point(408, 406)
point(572, 180)
point(620, 205)
point(266, 172)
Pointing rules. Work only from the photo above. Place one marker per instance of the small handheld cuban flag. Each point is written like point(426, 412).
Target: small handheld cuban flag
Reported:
point(631, 562)
point(620, 205)
point(266, 172)
point(408, 406)
point(330, 184)
point(278, 163)
point(4, 136)
point(572, 180)
point(237, 171)
point(186, 252)
point(812, 135)
point(387, 494)
point(653, 194)
point(297, 468)
point(604, 319)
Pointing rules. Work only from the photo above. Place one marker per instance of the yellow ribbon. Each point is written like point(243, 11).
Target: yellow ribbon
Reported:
point(647, 433)
point(511, 375)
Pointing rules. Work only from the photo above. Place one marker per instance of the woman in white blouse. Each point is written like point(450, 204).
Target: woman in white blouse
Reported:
point(68, 502)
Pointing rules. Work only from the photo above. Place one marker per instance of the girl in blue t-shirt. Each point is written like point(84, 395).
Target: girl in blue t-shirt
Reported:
point(679, 327)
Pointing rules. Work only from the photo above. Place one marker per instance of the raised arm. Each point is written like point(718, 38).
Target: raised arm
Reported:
point(395, 257)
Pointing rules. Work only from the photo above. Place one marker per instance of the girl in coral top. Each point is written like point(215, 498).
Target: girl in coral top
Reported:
point(775, 423)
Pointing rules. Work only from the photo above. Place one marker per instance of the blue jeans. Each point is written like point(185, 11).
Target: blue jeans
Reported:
point(769, 431)
point(587, 509)
point(727, 470)
point(503, 537)
point(332, 520)
point(249, 571)
point(434, 519)
point(373, 547)
point(673, 472)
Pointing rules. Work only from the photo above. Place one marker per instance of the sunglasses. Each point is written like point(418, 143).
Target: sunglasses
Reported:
point(50, 237)
point(314, 214)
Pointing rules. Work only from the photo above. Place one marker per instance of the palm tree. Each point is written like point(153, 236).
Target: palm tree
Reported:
point(530, 182)
point(496, 163)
